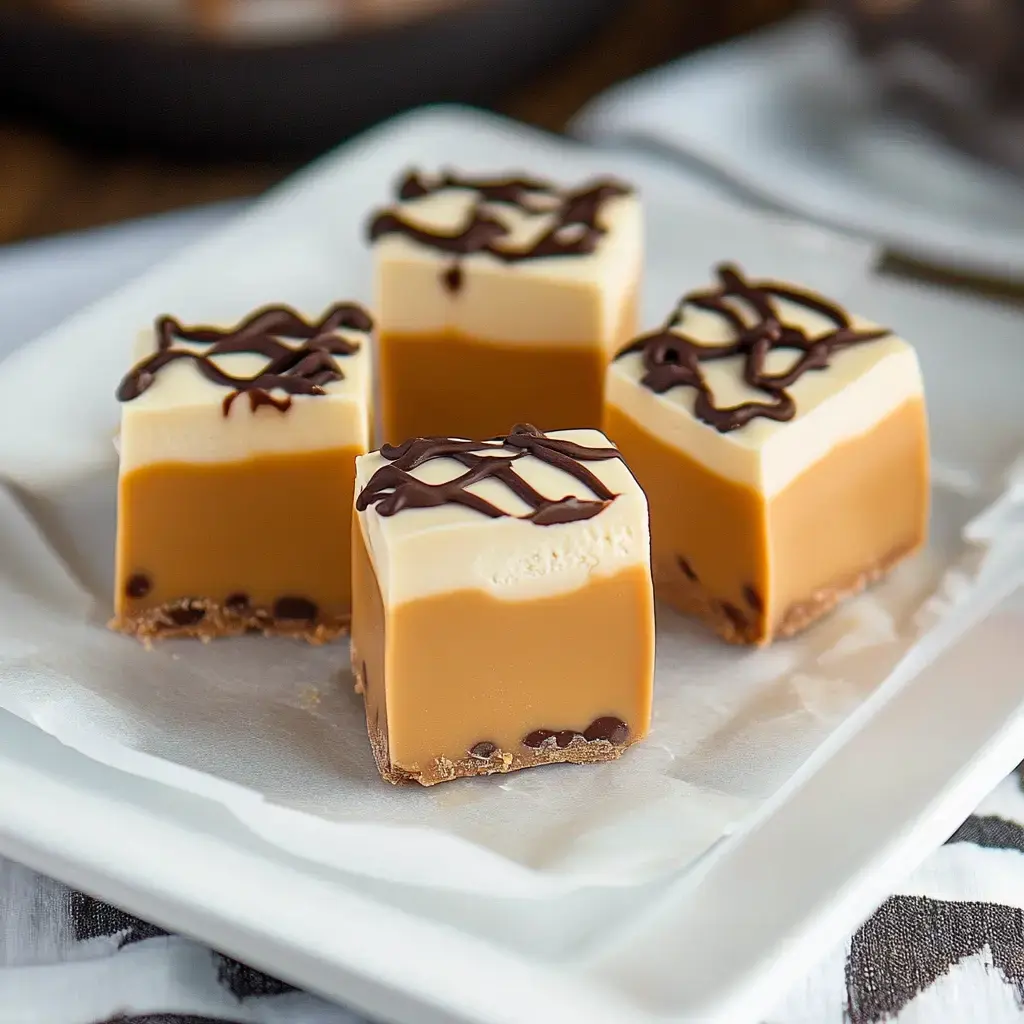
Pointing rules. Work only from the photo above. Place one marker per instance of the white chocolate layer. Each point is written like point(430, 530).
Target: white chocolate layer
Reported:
point(570, 300)
point(180, 417)
point(419, 552)
point(861, 386)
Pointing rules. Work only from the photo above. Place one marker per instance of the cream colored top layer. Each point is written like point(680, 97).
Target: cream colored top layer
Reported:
point(570, 300)
point(180, 417)
point(420, 552)
point(862, 385)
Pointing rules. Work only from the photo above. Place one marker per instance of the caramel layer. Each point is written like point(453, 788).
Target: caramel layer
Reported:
point(452, 385)
point(455, 683)
point(705, 530)
point(369, 648)
point(262, 540)
point(866, 502)
point(755, 568)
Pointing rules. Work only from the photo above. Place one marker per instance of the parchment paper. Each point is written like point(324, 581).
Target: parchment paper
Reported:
point(273, 731)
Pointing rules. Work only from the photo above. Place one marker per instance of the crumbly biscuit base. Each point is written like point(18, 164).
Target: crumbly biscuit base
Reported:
point(217, 621)
point(691, 598)
point(579, 751)
point(802, 614)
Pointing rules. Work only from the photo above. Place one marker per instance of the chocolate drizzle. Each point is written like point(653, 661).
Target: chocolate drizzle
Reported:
point(672, 359)
point(257, 397)
point(393, 487)
point(575, 227)
point(296, 370)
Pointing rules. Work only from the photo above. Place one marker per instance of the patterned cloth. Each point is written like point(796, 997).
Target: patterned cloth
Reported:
point(948, 948)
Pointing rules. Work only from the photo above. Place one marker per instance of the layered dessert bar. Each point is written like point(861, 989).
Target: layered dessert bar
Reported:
point(503, 607)
point(783, 446)
point(501, 300)
point(238, 450)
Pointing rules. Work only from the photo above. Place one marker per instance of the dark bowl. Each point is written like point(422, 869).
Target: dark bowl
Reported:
point(209, 99)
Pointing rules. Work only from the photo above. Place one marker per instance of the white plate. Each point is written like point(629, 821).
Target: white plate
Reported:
point(715, 949)
point(713, 944)
point(786, 116)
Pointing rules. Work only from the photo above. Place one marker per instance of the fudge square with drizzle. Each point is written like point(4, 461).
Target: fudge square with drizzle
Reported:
point(501, 300)
point(503, 609)
point(783, 446)
point(238, 449)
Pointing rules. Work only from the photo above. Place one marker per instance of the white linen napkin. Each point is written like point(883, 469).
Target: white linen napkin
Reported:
point(786, 119)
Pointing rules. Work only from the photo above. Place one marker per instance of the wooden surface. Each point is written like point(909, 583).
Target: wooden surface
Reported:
point(48, 185)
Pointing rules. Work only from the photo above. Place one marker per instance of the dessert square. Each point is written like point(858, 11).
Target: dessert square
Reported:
point(501, 300)
point(503, 606)
point(237, 469)
point(783, 446)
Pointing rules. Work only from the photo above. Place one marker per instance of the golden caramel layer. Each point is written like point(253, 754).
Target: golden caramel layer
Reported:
point(448, 385)
point(866, 502)
point(453, 385)
point(755, 568)
point(454, 684)
point(369, 647)
point(267, 538)
point(705, 529)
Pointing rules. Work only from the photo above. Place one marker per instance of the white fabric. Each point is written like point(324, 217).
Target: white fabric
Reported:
point(785, 118)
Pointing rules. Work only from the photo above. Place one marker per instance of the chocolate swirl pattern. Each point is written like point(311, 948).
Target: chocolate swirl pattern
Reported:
point(673, 359)
point(393, 487)
point(575, 227)
point(294, 369)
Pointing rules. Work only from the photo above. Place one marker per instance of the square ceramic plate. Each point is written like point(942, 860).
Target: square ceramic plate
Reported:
point(715, 943)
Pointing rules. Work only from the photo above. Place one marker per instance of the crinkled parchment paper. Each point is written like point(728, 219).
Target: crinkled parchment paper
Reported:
point(272, 730)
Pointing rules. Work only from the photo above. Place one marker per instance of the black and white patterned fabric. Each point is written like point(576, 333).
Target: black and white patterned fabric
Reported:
point(946, 948)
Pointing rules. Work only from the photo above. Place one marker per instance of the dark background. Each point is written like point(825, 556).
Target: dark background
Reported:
point(56, 177)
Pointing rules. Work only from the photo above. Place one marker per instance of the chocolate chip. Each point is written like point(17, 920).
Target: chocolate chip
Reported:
point(537, 738)
point(237, 603)
point(138, 585)
point(687, 569)
point(735, 616)
point(753, 598)
point(452, 278)
point(295, 608)
point(186, 615)
point(562, 738)
point(614, 730)
point(483, 751)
